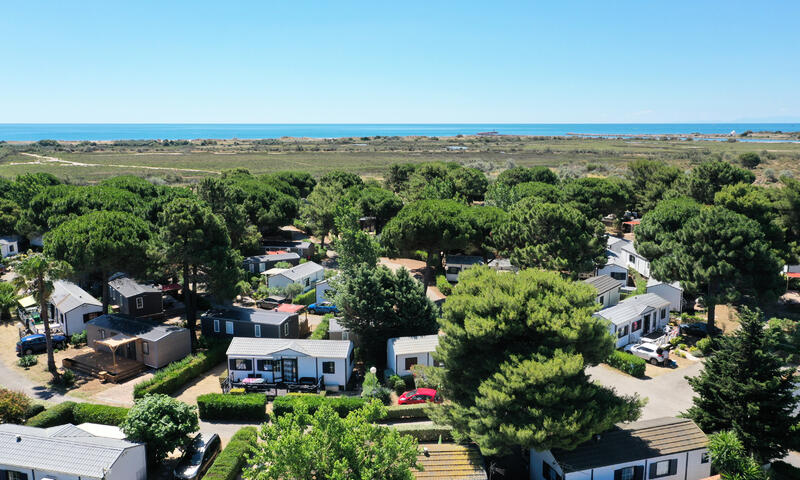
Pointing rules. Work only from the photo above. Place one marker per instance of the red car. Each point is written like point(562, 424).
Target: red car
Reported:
point(420, 395)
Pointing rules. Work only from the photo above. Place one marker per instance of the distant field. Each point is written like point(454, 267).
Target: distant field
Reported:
point(371, 157)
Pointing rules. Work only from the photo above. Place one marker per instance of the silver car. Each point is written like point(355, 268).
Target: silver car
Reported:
point(199, 455)
point(652, 353)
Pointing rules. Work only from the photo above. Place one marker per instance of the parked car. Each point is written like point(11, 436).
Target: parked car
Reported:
point(197, 457)
point(323, 307)
point(419, 395)
point(699, 329)
point(37, 343)
point(649, 351)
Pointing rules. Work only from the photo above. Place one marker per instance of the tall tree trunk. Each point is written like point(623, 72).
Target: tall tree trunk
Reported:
point(43, 315)
point(187, 301)
point(104, 283)
point(430, 271)
point(711, 304)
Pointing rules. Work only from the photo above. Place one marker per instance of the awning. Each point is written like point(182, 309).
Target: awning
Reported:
point(632, 222)
point(793, 274)
point(27, 302)
point(277, 252)
point(116, 341)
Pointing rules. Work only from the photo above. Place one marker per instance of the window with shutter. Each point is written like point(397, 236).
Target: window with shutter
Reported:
point(664, 468)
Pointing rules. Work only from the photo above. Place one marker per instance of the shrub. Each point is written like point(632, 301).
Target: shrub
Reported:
point(628, 363)
point(306, 298)
point(237, 390)
point(230, 461)
point(219, 406)
point(342, 405)
point(749, 160)
point(56, 415)
point(395, 412)
point(397, 383)
point(695, 351)
point(372, 389)
point(66, 379)
point(223, 376)
point(177, 374)
point(444, 285)
point(33, 410)
point(162, 423)
point(321, 332)
point(13, 406)
point(705, 345)
point(675, 341)
point(426, 433)
point(27, 361)
point(103, 414)
point(78, 338)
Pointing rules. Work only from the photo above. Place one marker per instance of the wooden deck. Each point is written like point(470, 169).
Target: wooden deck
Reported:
point(101, 365)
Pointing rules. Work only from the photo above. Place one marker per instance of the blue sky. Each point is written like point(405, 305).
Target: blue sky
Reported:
point(395, 62)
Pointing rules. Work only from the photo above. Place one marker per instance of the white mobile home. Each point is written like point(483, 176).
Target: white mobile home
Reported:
point(306, 274)
point(402, 353)
point(8, 246)
point(636, 316)
point(607, 290)
point(454, 264)
point(67, 452)
point(663, 448)
point(669, 291)
point(284, 360)
point(71, 307)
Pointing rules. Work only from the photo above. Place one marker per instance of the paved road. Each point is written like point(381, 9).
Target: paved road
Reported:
point(13, 380)
point(667, 395)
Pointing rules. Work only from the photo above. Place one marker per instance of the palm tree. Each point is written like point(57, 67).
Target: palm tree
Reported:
point(37, 272)
point(8, 298)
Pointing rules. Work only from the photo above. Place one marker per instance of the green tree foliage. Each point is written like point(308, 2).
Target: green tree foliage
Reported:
point(789, 207)
point(37, 272)
point(516, 175)
point(650, 179)
point(596, 197)
point(750, 160)
point(534, 335)
point(8, 299)
point(162, 423)
point(302, 181)
point(485, 222)
point(709, 177)
point(722, 256)
point(136, 185)
point(223, 198)
point(13, 406)
point(195, 242)
point(341, 179)
point(504, 196)
point(398, 176)
point(469, 183)
point(744, 388)
point(324, 445)
point(433, 226)
point(658, 226)
point(354, 246)
point(374, 202)
point(101, 243)
point(378, 304)
point(552, 237)
point(319, 210)
point(27, 186)
point(431, 181)
point(731, 460)
point(9, 216)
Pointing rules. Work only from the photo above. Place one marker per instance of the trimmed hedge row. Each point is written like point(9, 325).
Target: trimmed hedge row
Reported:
point(56, 415)
point(103, 414)
point(220, 406)
point(306, 298)
point(342, 405)
point(628, 363)
point(426, 433)
point(230, 461)
point(171, 378)
point(396, 412)
point(321, 332)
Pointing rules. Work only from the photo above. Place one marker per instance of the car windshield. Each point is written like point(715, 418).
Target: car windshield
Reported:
point(412, 392)
point(196, 451)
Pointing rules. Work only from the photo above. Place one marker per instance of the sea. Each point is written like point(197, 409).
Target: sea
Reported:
point(190, 131)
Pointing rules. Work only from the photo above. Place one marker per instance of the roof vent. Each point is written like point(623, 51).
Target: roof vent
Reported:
point(426, 452)
point(597, 438)
point(19, 439)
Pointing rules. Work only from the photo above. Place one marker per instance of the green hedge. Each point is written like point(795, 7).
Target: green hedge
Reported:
point(342, 405)
point(56, 415)
point(306, 298)
point(444, 285)
point(628, 363)
point(426, 433)
point(407, 411)
point(171, 378)
point(33, 410)
point(321, 332)
point(230, 461)
point(103, 414)
point(220, 406)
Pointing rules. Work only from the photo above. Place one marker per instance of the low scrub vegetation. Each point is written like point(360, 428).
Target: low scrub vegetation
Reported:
point(219, 406)
point(231, 460)
point(177, 374)
point(13, 406)
point(628, 363)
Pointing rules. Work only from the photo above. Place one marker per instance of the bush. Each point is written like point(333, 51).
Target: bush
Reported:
point(27, 361)
point(223, 376)
point(13, 406)
point(397, 383)
point(230, 461)
point(426, 433)
point(628, 363)
point(306, 298)
point(237, 390)
point(749, 160)
point(341, 405)
point(66, 379)
point(395, 412)
point(444, 285)
point(177, 374)
point(57, 415)
point(33, 410)
point(372, 389)
point(219, 406)
point(103, 414)
point(695, 351)
point(705, 345)
point(78, 338)
point(321, 332)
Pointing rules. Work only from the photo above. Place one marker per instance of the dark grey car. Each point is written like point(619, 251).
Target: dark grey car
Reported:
point(198, 457)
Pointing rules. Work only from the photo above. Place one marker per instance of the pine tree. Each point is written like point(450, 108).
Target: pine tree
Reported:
point(744, 388)
point(515, 351)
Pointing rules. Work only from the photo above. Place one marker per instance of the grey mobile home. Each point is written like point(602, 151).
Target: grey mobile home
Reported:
point(248, 322)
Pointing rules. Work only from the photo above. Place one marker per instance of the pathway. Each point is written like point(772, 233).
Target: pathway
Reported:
point(13, 380)
point(41, 159)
